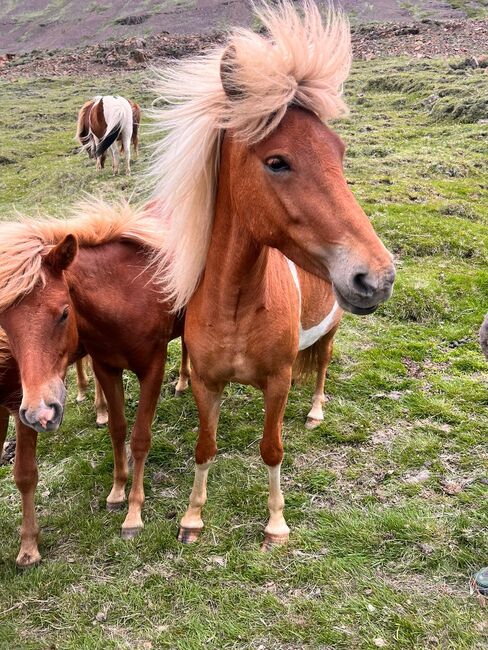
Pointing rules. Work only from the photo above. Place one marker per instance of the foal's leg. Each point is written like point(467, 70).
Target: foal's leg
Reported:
point(140, 442)
point(111, 382)
point(271, 447)
point(81, 380)
point(315, 416)
point(185, 370)
point(25, 474)
point(4, 418)
point(208, 402)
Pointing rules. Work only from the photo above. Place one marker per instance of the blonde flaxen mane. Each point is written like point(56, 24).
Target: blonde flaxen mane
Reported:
point(302, 61)
point(24, 243)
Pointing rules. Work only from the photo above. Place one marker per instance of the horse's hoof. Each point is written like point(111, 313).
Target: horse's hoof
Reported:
point(102, 424)
point(130, 533)
point(28, 561)
point(80, 398)
point(116, 506)
point(311, 423)
point(188, 535)
point(271, 541)
point(179, 393)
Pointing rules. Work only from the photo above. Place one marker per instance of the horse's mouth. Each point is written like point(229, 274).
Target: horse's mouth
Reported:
point(349, 306)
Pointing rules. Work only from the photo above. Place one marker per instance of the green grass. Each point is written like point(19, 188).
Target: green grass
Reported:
point(380, 551)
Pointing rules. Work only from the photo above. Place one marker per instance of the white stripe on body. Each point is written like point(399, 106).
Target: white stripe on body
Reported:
point(313, 334)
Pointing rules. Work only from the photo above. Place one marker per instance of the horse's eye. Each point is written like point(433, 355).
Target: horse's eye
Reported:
point(64, 315)
point(277, 164)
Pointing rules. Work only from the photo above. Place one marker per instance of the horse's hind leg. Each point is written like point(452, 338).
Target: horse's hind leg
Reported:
point(325, 345)
point(208, 402)
point(101, 408)
point(81, 379)
point(26, 475)
point(185, 370)
point(111, 382)
point(126, 145)
point(115, 159)
point(135, 140)
point(4, 418)
point(140, 442)
point(271, 447)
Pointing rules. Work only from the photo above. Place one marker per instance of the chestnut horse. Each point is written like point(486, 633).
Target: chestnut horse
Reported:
point(104, 120)
point(253, 180)
point(85, 284)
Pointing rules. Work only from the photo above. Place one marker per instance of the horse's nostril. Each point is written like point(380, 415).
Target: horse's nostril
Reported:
point(362, 285)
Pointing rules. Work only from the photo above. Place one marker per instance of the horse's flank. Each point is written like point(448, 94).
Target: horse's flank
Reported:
point(23, 244)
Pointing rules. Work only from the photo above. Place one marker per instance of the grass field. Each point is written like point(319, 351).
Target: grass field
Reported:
point(386, 500)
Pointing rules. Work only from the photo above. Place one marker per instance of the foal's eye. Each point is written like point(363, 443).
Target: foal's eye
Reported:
point(277, 164)
point(64, 315)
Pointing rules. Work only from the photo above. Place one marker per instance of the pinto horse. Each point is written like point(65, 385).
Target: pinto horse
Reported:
point(253, 179)
point(85, 284)
point(104, 120)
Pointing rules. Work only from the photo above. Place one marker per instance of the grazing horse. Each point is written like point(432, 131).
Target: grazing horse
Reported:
point(102, 121)
point(85, 284)
point(253, 180)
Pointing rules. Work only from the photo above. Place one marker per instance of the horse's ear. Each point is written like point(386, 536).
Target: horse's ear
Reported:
point(227, 74)
point(61, 256)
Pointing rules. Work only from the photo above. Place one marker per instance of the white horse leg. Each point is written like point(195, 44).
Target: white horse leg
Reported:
point(115, 158)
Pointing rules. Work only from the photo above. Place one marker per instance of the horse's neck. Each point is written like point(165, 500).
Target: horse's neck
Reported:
point(236, 267)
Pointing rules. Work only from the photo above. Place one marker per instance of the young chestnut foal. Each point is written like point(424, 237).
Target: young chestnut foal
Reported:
point(254, 183)
point(85, 283)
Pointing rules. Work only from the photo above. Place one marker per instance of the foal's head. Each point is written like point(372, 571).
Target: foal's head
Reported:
point(291, 193)
point(41, 328)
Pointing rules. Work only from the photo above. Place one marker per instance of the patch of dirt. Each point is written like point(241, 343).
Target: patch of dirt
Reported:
point(428, 38)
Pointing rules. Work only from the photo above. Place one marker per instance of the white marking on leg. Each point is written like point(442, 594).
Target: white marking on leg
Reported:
point(193, 516)
point(276, 503)
point(316, 412)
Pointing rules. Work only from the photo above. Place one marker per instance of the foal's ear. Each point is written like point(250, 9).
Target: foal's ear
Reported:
point(61, 256)
point(227, 73)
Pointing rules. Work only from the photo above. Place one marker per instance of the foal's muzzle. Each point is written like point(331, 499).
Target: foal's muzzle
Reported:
point(45, 416)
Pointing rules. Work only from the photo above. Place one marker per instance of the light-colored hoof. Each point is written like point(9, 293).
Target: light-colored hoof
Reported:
point(271, 541)
point(116, 506)
point(188, 535)
point(312, 423)
point(28, 560)
point(130, 533)
point(80, 398)
point(179, 393)
point(102, 422)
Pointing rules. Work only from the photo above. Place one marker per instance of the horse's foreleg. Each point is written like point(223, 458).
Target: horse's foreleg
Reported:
point(185, 370)
point(140, 442)
point(111, 383)
point(81, 380)
point(4, 418)
point(316, 415)
point(208, 402)
point(271, 447)
point(25, 474)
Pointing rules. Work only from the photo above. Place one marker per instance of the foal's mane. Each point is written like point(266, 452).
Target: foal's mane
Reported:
point(25, 242)
point(5, 354)
point(301, 61)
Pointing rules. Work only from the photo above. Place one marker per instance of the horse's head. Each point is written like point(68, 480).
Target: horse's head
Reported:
point(41, 328)
point(293, 185)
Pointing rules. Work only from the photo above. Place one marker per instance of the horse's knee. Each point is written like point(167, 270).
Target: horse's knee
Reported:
point(271, 452)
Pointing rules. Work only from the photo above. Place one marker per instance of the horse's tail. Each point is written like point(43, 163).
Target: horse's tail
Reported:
point(83, 134)
point(118, 116)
